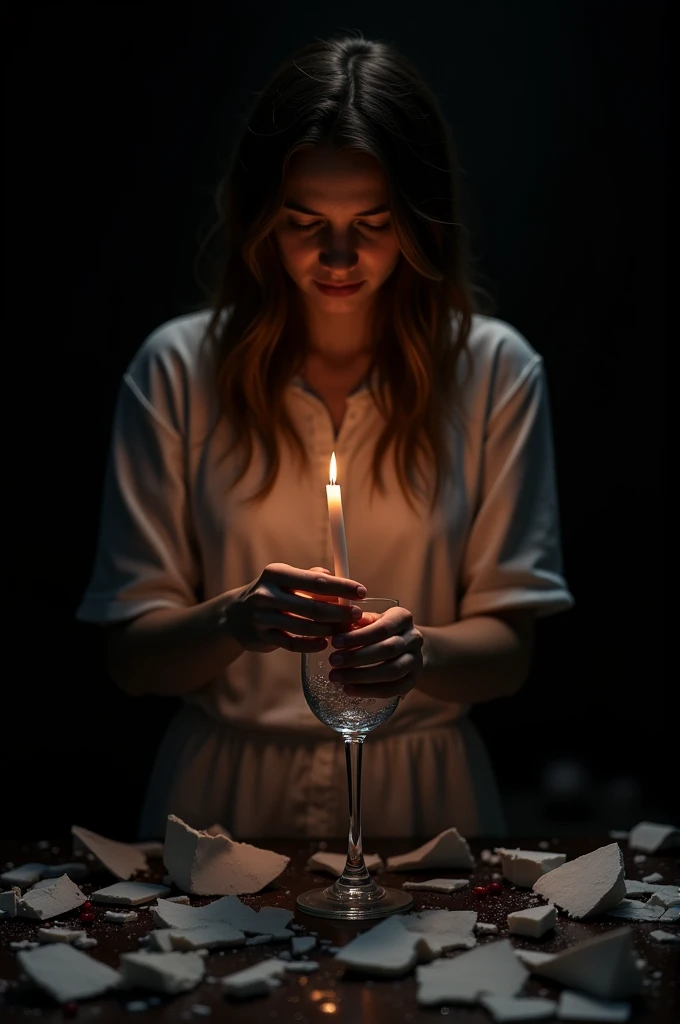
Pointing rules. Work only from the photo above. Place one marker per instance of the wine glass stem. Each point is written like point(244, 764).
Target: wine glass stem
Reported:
point(355, 869)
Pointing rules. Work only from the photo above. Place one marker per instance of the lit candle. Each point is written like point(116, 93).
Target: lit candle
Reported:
point(337, 521)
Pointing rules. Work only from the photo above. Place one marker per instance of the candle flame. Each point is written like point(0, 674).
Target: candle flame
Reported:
point(334, 469)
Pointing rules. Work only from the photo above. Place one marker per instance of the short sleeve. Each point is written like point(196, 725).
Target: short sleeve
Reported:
point(145, 556)
point(513, 558)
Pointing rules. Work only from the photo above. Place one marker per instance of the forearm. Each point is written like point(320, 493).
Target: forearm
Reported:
point(476, 659)
point(173, 652)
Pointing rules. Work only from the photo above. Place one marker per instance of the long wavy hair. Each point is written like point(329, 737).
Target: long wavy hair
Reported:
point(356, 94)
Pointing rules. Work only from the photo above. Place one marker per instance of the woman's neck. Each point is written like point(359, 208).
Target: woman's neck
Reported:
point(340, 342)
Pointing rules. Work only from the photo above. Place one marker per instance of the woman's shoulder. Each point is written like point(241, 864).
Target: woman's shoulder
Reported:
point(172, 368)
point(499, 360)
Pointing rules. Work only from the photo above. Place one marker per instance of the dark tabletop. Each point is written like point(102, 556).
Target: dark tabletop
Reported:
point(331, 992)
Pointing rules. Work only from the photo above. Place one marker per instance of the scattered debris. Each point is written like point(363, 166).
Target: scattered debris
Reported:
point(491, 969)
point(654, 877)
point(661, 936)
point(510, 1008)
point(211, 935)
point(60, 934)
point(122, 859)
point(211, 865)
point(524, 867)
point(67, 974)
point(303, 966)
point(445, 929)
point(229, 910)
point(487, 857)
point(447, 850)
point(486, 928)
point(258, 980)
point(604, 966)
point(445, 885)
point(388, 949)
point(120, 916)
point(633, 910)
point(129, 893)
point(534, 922)
point(56, 897)
point(587, 885)
point(576, 1006)
point(23, 876)
point(651, 837)
point(169, 973)
point(302, 944)
point(8, 902)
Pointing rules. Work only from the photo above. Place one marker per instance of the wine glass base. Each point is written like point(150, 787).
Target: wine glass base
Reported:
point(316, 903)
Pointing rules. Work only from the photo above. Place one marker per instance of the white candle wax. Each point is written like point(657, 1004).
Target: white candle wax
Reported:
point(337, 523)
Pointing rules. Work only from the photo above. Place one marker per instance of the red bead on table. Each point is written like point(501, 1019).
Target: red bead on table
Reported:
point(481, 891)
point(86, 917)
point(495, 887)
point(69, 1009)
point(86, 905)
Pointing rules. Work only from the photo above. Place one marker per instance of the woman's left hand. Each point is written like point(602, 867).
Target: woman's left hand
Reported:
point(381, 655)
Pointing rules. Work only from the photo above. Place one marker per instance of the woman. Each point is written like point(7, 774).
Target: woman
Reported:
point(342, 320)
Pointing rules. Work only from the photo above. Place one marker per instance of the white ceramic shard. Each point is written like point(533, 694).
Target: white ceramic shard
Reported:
point(672, 914)
point(388, 949)
point(589, 885)
point(67, 974)
point(212, 935)
point(576, 1006)
point(23, 876)
point(447, 850)
point(445, 885)
point(487, 857)
point(75, 870)
point(58, 897)
point(129, 893)
point(491, 969)
point(85, 943)
point(168, 973)
point(661, 936)
point(524, 867)
point(533, 957)
point(122, 859)
point(445, 929)
point(179, 899)
point(302, 966)
point(229, 910)
point(60, 934)
point(605, 966)
point(618, 833)
point(486, 928)
point(649, 837)
point(258, 980)
point(504, 1009)
point(532, 922)
point(215, 865)
point(334, 863)
point(8, 902)
point(654, 878)
point(633, 910)
point(665, 896)
point(259, 940)
point(160, 941)
point(302, 944)
point(120, 916)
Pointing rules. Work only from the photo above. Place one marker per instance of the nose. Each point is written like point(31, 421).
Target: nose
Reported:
point(338, 257)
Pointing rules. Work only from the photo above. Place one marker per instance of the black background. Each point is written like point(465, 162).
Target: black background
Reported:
point(118, 123)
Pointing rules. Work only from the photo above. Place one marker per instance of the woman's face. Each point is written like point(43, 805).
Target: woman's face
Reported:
point(335, 228)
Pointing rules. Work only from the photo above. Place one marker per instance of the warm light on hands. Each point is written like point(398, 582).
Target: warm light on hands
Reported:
point(382, 655)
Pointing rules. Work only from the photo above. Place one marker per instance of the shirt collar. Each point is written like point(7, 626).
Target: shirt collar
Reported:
point(299, 382)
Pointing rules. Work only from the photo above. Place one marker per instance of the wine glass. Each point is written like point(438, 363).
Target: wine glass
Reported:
point(355, 896)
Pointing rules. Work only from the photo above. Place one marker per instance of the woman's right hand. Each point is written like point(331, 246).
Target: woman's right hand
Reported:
point(292, 608)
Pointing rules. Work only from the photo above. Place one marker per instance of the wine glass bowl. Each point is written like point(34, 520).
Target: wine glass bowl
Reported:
point(355, 895)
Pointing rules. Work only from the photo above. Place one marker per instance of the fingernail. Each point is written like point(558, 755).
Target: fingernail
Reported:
point(356, 613)
point(361, 591)
point(337, 659)
point(339, 641)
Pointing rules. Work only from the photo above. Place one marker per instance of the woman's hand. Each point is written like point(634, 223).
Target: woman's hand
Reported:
point(295, 609)
point(381, 656)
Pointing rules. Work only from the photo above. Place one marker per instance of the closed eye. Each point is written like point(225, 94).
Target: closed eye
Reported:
point(316, 224)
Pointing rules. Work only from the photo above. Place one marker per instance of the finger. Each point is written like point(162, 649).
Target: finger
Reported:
point(318, 611)
point(386, 650)
point(387, 672)
point(382, 626)
point(287, 577)
point(297, 644)
point(383, 691)
point(294, 624)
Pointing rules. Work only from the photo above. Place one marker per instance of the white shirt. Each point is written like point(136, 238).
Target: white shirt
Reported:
point(173, 533)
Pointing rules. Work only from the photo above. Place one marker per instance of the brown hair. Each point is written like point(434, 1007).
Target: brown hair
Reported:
point(362, 95)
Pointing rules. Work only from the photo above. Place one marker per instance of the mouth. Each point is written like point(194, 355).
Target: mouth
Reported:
point(338, 289)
